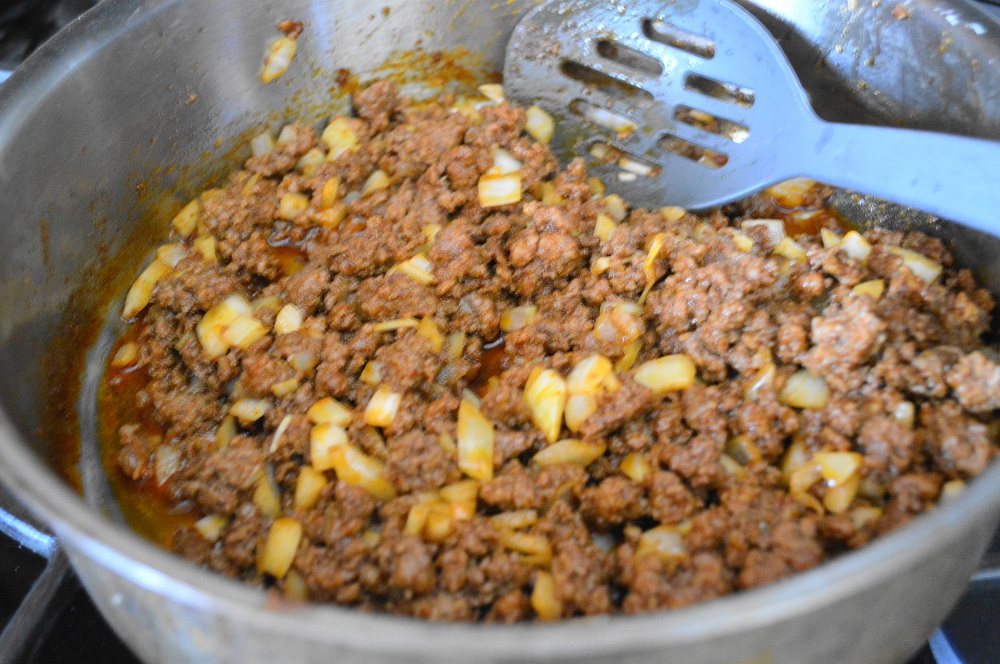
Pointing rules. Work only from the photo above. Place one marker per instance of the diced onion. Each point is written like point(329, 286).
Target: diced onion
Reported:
point(429, 330)
point(278, 433)
point(248, 411)
point(328, 193)
point(791, 193)
point(856, 246)
point(775, 228)
point(743, 242)
point(672, 213)
point(418, 268)
point(126, 355)
point(544, 600)
point(475, 442)
point(872, 289)
point(329, 411)
point(516, 520)
point(596, 187)
point(495, 190)
point(803, 390)
point(604, 227)
point(243, 332)
point(339, 137)
point(266, 498)
point(517, 318)
point(278, 58)
point(310, 162)
point(545, 395)
point(570, 451)
point(493, 91)
point(836, 467)
point(666, 542)
point(919, 265)
point(186, 220)
point(667, 373)
point(211, 327)
point(210, 527)
point(952, 489)
point(226, 432)
point(790, 249)
point(537, 549)
point(171, 254)
point(262, 144)
point(377, 181)
point(539, 124)
point(331, 216)
point(291, 205)
point(396, 324)
point(905, 413)
point(601, 265)
point(840, 496)
point(382, 409)
point(280, 547)
point(166, 462)
point(636, 467)
point(503, 163)
point(358, 469)
point(372, 373)
point(142, 288)
point(830, 239)
point(616, 207)
point(288, 320)
point(205, 246)
point(589, 374)
point(285, 387)
point(324, 438)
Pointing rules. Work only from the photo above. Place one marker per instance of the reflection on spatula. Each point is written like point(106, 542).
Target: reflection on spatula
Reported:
point(694, 104)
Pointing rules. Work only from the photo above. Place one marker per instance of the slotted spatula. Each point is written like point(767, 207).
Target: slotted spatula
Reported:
point(701, 108)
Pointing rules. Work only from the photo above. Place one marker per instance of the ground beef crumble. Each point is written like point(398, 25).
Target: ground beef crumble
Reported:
point(691, 493)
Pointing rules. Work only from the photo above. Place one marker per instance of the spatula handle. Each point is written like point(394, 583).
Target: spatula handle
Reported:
point(953, 177)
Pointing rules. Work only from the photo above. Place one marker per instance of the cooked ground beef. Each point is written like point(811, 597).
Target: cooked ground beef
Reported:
point(740, 407)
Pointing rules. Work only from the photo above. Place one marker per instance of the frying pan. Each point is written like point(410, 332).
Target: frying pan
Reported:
point(147, 96)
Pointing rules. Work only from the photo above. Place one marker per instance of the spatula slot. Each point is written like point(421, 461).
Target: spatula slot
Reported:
point(692, 117)
point(628, 57)
point(727, 92)
point(616, 122)
point(668, 35)
point(632, 166)
point(607, 84)
point(697, 153)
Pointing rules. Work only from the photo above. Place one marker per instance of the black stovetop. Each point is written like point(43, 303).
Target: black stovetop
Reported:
point(47, 618)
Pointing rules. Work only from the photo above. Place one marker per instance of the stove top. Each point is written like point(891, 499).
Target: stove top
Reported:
point(47, 617)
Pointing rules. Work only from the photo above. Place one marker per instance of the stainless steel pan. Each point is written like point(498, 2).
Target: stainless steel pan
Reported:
point(138, 89)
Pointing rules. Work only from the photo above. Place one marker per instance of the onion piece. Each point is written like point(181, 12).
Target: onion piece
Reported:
point(358, 469)
point(588, 375)
point(665, 542)
point(382, 408)
point(803, 390)
point(210, 527)
point(328, 193)
point(475, 442)
point(775, 228)
point(278, 433)
point(536, 549)
point(248, 411)
point(291, 205)
point(545, 395)
point(504, 163)
point(396, 324)
point(743, 242)
point(636, 467)
point(278, 59)
point(185, 221)
point(496, 190)
point(539, 124)
point(493, 91)
point(289, 319)
point(790, 249)
point(243, 331)
point(791, 193)
point(604, 227)
point(419, 268)
point(571, 451)
point(518, 318)
point(279, 549)
point(126, 355)
point(667, 374)
point(377, 181)
point(213, 324)
point(601, 265)
point(830, 239)
point(205, 246)
point(310, 162)
point(516, 520)
point(873, 289)
point(429, 330)
point(324, 438)
point(262, 144)
point(167, 460)
point(266, 498)
point(339, 137)
point(329, 411)
point(856, 246)
point(142, 288)
point(837, 467)
point(919, 265)
point(285, 387)
point(544, 600)
point(616, 207)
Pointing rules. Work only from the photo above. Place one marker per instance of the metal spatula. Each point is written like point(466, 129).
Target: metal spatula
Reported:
point(697, 105)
